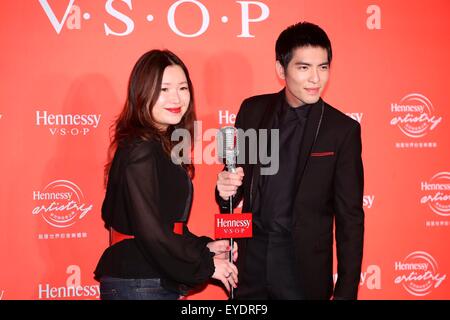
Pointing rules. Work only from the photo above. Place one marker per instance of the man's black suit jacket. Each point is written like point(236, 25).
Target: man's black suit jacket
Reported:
point(329, 195)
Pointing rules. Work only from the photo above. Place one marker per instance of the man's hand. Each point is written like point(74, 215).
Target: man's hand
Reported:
point(228, 183)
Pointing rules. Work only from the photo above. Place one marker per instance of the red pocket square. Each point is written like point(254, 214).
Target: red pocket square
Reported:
point(322, 154)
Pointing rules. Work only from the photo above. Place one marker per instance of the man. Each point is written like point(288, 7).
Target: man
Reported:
point(318, 187)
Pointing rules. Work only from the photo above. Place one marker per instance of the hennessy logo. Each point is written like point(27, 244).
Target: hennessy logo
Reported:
point(68, 124)
point(73, 288)
point(238, 225)
point(222, 223)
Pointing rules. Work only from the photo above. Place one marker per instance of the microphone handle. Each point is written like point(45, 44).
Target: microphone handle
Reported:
point(230, 255)
point(231, 168)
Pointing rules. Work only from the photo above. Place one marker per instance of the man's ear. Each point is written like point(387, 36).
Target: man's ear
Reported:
point(280, 70)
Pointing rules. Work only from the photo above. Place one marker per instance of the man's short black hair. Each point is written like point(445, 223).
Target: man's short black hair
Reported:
point(302, 34)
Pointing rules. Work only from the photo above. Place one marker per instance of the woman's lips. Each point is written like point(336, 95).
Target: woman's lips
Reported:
point(174, 110)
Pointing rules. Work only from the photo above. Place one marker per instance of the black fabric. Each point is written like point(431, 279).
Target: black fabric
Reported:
point(270, 271)
point(278, 191)
point(146, 194)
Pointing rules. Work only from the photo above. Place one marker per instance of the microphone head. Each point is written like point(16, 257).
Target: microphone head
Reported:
point(227, 145)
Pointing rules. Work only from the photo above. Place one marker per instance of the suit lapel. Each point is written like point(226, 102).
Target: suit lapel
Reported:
point(311, 132)
point(266, 123)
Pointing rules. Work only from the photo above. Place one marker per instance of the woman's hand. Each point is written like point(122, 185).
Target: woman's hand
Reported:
point(221, 249)
point(226, 272)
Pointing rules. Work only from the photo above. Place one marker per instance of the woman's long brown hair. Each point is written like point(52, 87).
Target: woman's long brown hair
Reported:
point(136, 120)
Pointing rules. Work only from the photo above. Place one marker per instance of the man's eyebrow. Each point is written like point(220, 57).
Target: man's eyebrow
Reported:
point(309, 64)
point(302, 63)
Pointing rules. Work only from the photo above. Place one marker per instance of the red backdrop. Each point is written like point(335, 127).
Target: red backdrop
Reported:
point(64, 70)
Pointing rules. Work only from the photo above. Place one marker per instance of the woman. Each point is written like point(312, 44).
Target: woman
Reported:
point(152, 253)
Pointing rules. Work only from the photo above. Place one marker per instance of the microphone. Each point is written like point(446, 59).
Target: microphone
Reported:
point(227, 142)
point(228, 146)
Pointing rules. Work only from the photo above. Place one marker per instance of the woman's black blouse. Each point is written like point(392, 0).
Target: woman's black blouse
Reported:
point(146, 194)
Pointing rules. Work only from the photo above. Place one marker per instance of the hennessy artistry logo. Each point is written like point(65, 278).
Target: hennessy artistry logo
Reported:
point(419, 273)
point(414, 115)
point(61, 204)
point(437, 193)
